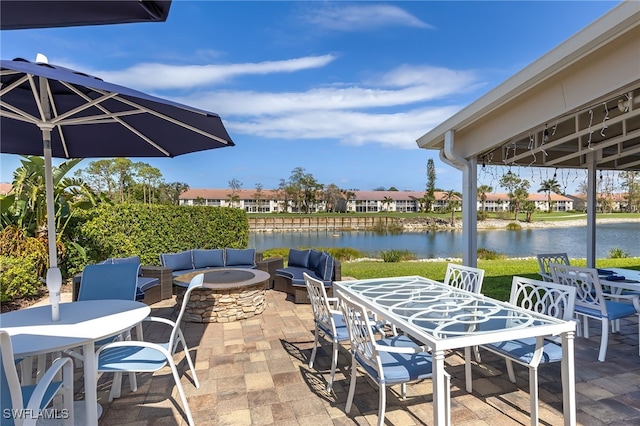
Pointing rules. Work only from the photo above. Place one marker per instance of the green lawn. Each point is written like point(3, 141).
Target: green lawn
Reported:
point(498, 273)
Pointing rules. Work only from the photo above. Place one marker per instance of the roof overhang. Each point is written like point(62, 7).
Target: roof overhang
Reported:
point(581, 97)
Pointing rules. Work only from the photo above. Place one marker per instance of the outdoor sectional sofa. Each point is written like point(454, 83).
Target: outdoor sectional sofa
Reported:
point(201, 259)
point(318, 264)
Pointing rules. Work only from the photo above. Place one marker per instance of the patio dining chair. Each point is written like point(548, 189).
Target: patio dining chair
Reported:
point(115, 281)
point(29, 401)
point(388, 361)
point(148, 357)
point(552, 299)
point(328, 322)
point(592, 302)
point(545, 259)
point(465, 278)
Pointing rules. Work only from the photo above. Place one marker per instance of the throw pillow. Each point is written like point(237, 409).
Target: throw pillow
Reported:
point(298, 258)
point(315, 257)
point(208, 258)
point(325, 267)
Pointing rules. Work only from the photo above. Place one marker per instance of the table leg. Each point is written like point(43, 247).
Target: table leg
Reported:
point(440, 400)
point(90, 384)
point(568, 379)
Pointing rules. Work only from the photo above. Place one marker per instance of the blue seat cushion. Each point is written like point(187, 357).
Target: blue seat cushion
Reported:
point(615, 310)
point(342, 334)
point(145, 283)
point(299, 258)
point(294, 273)
point(177, 261)
point(208, 258)
point(243, 258)
point(400, 368)
point(523, 350)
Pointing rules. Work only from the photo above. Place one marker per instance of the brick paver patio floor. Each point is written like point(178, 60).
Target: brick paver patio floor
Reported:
point(255, 372)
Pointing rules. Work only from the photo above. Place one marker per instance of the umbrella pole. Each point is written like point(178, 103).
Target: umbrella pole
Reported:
point(54, 277)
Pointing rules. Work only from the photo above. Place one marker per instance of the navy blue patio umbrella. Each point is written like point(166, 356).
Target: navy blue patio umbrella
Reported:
point(23, 14)
point(53, 111)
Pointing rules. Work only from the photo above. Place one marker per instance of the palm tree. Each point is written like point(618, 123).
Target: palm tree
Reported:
point(548, 186)
point(387, 202)
point(453, 202)
point(482, 194)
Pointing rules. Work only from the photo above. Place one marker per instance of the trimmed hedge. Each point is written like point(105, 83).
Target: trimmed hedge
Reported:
point(149, 230)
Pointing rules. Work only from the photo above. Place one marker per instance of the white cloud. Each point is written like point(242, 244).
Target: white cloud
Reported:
point(362, 17)
point(154, 76)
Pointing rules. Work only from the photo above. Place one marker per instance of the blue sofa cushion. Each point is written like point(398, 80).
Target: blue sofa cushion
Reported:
point(325, 267)
point(299, 258)
point(177, 261)
point(315, 256)
point(240, 257)
point(294, 273)
point(208, 258)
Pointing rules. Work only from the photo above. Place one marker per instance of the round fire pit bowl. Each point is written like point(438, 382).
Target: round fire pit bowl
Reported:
point(229, 294)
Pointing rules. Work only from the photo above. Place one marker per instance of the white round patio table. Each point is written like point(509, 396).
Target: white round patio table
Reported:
point(81, 324)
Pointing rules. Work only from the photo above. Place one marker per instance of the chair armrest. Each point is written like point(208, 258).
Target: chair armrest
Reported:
point(335, 302)
point(400, 349)
point(160, 320)
point(66, 365)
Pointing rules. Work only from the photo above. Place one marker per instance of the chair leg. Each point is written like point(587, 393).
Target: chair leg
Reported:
point(315, 348)
point(533, 395)
point(476, 353)
point(352, 386)
point(116, 386)
point(512, 374)
point(585, 326)
point(334, 362)
point(191, 366)
point(183, 397)
point(604, 340)
point(382, 403)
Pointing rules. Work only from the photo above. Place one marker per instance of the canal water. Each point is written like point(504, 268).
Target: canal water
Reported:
point(442, 244)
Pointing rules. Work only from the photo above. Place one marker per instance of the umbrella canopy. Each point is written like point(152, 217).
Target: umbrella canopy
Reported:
point(54, 111)
point(20, 14)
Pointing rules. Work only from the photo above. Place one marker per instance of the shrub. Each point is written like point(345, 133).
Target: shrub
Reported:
point(18, 278)
point(397, 255)
point(149, 230)
point(487, 254)
point(617, 253)
point(513, 226)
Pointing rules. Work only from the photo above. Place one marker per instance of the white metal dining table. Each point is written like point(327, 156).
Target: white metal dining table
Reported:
point(443, 318)
point(81, 324)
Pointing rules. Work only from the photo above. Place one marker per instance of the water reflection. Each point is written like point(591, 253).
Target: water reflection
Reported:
point(437, 244)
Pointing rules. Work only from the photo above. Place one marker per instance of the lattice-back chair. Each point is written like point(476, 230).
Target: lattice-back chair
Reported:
point(545, 259)
point(591, 302)
point(29, 401)
point(464, 277)
point(551, 299)
point(388, 361)
point(328, 320)
point(148, 357)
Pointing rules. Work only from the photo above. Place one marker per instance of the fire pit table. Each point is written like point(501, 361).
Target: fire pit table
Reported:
point(229, 294)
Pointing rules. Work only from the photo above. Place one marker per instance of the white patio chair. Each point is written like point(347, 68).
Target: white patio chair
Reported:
point(328, 321)
point(142, 356)
point(545, 259)
point(591, 302)
point(465, 278)
point(388, 361)
point(552, 299)
point(29, 401)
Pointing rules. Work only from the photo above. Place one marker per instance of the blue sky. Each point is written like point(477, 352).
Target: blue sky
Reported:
point(341, 89)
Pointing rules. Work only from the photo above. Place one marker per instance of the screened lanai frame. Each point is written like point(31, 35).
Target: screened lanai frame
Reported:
point(577, 107)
